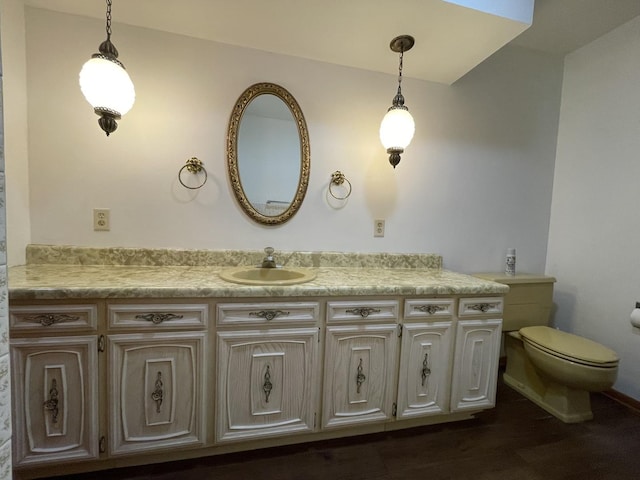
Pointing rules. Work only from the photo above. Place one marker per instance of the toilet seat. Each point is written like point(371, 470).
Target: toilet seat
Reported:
point(570, 347)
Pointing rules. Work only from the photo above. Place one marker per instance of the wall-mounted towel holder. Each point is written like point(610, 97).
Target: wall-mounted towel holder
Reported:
point(337, 179)
point(195, 166)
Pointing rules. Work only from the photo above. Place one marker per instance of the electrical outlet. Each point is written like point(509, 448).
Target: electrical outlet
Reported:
point(378, 228)
point(101, 219)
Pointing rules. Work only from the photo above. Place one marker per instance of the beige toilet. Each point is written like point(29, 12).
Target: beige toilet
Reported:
point(554, 369)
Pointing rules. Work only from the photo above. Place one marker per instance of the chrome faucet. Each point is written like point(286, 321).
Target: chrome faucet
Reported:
point(268, 261)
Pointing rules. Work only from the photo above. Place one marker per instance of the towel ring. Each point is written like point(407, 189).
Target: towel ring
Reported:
point(193, 165)
point(337, 179)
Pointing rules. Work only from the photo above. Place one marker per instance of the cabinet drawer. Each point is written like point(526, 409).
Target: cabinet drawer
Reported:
point(157, 316)
point(267, 313)
point(53, 317)
point(480, 306)
point(419, 309)
point(360, 311)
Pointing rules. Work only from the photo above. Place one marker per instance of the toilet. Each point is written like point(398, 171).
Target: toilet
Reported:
point(554, 369)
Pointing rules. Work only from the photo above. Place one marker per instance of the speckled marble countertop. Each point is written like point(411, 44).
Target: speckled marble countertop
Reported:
point(77, 272)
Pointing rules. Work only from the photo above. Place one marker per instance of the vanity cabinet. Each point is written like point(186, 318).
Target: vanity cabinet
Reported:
point(157, 384)
point(267, 371)
point(477, 350)
point(55, 383)
point(132, 381)
point(360, 362)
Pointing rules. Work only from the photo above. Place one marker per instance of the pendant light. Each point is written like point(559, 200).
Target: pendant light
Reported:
point(106, 84)
point(397, 127)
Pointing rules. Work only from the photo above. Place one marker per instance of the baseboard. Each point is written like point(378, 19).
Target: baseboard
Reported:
point(623, 399)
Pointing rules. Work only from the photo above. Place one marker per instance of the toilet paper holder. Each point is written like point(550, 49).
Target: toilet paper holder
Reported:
point(635, 316)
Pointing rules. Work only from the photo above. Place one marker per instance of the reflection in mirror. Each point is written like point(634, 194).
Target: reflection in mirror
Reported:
point(268, 153)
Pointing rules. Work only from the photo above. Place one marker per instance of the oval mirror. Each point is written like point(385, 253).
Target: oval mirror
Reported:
point(268, 155)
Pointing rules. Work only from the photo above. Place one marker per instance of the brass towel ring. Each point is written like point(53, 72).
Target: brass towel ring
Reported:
point(195, 166)
point(337, 179)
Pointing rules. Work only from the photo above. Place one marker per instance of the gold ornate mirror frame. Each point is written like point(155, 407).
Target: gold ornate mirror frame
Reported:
point(232, 152)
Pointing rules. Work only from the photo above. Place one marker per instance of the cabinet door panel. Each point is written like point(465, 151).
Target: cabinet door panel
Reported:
point(360, 366)
point(156, 392)
point(266, 383)
point(476, 364)
point(55, 399)
point(425, 369)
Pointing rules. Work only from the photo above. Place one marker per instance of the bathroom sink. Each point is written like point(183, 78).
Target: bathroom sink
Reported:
point(267, 276)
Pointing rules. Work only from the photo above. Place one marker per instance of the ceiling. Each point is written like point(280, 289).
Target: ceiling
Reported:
point(451, 39)
point(562, 26)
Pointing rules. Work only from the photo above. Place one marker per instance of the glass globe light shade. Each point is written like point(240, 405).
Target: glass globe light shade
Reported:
point(397, 129)
point(106, 85)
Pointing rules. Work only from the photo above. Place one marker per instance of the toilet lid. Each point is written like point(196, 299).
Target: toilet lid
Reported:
point(569, 345)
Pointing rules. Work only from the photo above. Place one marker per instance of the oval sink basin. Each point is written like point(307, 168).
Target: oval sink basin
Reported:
point(267, 276)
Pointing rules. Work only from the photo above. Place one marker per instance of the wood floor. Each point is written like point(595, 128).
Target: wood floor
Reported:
point(515, 441)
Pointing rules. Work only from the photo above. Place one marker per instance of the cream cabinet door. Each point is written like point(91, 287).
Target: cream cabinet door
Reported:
point(55, 386)
point(156, 394)
point(425, 369)
point(360, 374)
point(267, 383)
point(475, 369)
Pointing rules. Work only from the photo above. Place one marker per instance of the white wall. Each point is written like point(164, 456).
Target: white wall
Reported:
point(594, 238)
point(5, 377)
point(476, 179)
point(14, 62)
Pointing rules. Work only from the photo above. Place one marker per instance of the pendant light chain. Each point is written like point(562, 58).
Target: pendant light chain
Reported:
point(108, 19)
point(400, 73)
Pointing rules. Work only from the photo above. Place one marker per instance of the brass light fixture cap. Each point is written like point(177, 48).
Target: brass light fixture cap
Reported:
point(402, 43)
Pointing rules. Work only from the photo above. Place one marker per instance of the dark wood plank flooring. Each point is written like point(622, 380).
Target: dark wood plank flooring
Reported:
point(515, 441)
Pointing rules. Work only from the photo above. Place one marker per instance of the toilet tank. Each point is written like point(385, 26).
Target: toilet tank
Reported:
point(528, 302)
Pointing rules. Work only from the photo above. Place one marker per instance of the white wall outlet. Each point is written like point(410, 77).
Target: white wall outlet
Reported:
point(378, 228)
point(101, 219)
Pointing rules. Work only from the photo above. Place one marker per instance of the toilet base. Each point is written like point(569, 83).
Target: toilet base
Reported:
point(567, 404)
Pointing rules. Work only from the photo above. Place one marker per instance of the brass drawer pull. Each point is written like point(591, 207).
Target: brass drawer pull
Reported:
point(364, 312)
point(158, 318)
point(430, 309)
point(267, 386)
point(360, 377)
point(268, 314)
point(426, 371)
point(483, 307)
point(158, 394)
point(48, 319)
point(51, 404)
